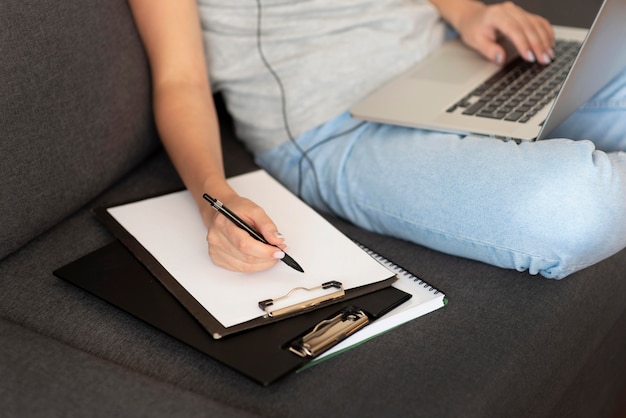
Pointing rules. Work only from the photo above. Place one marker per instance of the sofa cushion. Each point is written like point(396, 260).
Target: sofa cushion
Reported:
point(84, 385)
point(74, 109)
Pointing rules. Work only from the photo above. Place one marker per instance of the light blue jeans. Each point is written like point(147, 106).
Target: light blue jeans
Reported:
point(550, 207)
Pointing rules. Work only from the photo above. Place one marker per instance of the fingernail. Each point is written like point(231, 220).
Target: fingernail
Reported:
point(279, 254)
point(530, 57)
point(546, 59)
point(278, 235)
point(498, 58)
point(551, 53)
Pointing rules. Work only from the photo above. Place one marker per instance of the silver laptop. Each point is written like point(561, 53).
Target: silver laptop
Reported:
point(456, 90)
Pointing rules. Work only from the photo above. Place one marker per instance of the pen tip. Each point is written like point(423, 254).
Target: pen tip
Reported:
point(292, 263)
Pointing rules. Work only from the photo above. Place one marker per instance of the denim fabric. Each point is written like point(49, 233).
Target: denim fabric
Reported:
point(550, 207)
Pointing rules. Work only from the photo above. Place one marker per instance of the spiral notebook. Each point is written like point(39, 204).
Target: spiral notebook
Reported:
point(425, 299)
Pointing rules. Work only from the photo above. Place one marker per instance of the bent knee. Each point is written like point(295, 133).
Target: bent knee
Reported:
point(579, 224)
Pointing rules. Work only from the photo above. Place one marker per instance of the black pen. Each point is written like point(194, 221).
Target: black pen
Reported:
point(219, 206)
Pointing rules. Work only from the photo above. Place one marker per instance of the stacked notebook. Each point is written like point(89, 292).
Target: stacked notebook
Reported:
point(160, 272)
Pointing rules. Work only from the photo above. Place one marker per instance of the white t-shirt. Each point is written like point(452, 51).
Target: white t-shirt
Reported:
point(327, 54)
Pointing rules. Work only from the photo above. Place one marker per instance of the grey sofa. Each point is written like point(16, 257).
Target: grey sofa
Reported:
point(76, 133)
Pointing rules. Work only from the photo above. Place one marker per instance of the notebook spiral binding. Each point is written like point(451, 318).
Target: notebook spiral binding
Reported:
point(400, 271)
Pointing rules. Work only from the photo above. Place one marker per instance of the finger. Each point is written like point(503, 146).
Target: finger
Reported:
point(543, 43)
point(510, 23)
point(488, 46)
point(256, 217)
point(226, 238)
point(531, 35)
point(493, 23)
point(537, 39)
point(230, 238)
point(241, 252)
point(248, 264)
point(262, 223)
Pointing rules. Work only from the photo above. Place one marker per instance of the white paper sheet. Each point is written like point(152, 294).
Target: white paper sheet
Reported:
point(170, 228)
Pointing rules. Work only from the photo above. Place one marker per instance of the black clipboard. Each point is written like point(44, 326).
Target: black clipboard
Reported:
point(263, 354)
point(204, 317)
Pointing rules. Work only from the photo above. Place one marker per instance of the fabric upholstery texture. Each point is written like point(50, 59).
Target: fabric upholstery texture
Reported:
point(61, 143)
point(58, 385)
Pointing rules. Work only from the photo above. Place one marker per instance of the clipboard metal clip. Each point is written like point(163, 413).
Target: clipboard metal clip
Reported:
point(330, 332)
point(302, 305)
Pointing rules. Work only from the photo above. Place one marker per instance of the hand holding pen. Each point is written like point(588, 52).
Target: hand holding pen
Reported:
point(240, 223)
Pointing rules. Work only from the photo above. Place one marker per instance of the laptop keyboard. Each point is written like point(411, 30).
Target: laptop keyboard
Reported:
point(520, 89)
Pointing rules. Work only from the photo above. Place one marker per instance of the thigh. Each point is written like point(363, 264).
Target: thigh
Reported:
point(533, 206)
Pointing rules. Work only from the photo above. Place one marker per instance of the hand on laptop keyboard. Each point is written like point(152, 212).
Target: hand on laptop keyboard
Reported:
point(520, 89)
point(481, 25)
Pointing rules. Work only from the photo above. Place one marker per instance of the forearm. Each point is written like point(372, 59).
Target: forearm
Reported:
point(188, 127)
point(452, 11)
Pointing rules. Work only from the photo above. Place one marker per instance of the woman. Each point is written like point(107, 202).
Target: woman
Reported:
point(289, 69)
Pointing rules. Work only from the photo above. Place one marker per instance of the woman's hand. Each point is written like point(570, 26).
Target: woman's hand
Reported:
point(234, 249)
point(482, 26)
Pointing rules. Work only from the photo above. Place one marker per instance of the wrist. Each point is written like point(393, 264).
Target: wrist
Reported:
point(219, 189)
point(454, 11)
point(216, 187)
